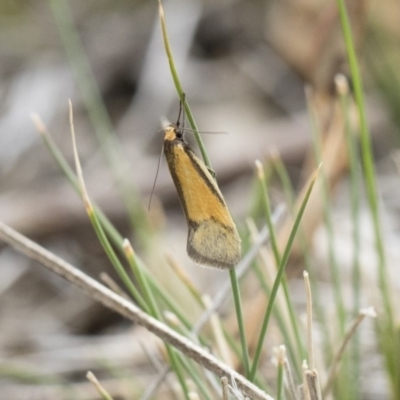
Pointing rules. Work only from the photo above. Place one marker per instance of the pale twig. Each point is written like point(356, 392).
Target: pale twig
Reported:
point(289, 379)
point(313, 384)
point(280, 362)
point(367, 312)
point(306, 391)
point(103, 393)
point(111, 300)
point(310, 373)
point(310, 349)
point(225, 388)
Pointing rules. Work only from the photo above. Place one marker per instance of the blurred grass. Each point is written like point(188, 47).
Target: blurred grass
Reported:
point(99, 118)
point(386, 328)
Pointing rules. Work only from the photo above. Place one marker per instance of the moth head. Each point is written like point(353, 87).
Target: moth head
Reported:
point(172, 132)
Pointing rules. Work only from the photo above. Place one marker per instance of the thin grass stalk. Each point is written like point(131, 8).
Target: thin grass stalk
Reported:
point(327, 213)
point(177, 367)
point(142, 281)
point(267, 209)
point(179, 89)
point(386, 327)
point(355, 178)
point(70, 175)
point(97, 226)
point(278, 314)
point(278, 280)
point(321, 315)
point(279, 379)
point(291, 388)
point(112, 256)
point(103, 393)
point(292, 351)
point(240, 321)
point(327, 217)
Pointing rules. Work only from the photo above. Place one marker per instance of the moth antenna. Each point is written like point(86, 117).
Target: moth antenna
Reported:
point(206, 132)
point(181, 111)
point(155, 179)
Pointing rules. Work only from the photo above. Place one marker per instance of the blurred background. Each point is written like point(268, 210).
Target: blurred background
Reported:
point(244, 66)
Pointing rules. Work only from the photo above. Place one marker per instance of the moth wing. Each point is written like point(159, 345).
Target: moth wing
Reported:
point(213, 244)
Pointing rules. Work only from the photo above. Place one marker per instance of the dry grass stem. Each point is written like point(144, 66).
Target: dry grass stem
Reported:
point(309, 321)
point(103, 393)
point(85, 196)
point(260, 170)
point(306, 391)
point(39, 125)
point(172, 319)
point(313, 384)
point(225, 388)
point(342, 84)
point(289, 379)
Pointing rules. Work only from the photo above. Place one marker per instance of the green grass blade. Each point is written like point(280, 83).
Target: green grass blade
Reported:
point(278, 280)
point(179, 89)
point(240, 321)
point(320, 313)
point(300, 354)
point(355, 198)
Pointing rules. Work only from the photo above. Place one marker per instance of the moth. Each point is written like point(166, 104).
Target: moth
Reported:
point(213, 239)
